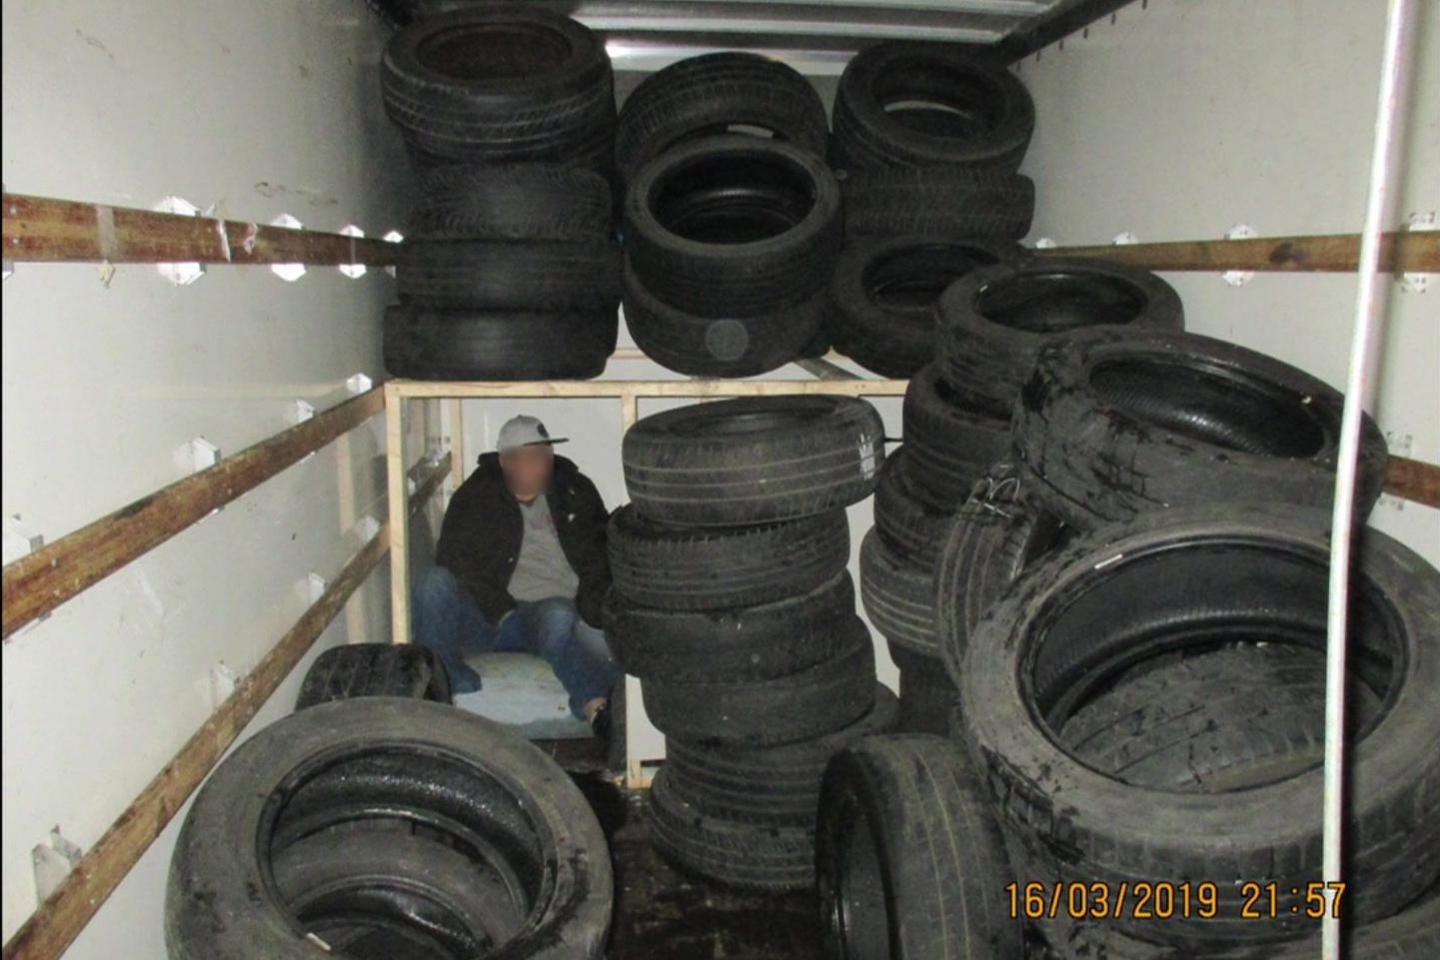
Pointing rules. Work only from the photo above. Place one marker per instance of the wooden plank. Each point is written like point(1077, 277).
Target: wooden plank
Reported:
point(1403, 252)
point(537, 389)
point(1410, 479)
point(1413, 480)
point(39, 582)
point(43, 229)
point(59, 920)
point(398, 495)
point(457, 442)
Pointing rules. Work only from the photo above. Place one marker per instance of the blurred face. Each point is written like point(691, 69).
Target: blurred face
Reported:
point(527, 470)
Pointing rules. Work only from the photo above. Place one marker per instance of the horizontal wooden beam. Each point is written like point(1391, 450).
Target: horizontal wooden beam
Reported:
point(1413, 480)
point(1409, 479)
point(42, 229)
point(39, 582)
point(1405, 252)
point(58, 921)
point(644, 388)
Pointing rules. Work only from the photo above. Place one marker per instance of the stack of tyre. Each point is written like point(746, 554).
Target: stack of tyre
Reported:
point(957, 413)
point(1134, 607)
point(732, 604)
point(927, 140)
point(731, 218)
point(510, 269)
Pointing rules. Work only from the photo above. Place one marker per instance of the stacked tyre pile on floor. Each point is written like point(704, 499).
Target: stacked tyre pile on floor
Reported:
point(1134, 609)
point(957, 430)
point(932, 286)
point(927, 140)
point(732, 605)
point(380, 828)
point(510, 270)
point(730, 236)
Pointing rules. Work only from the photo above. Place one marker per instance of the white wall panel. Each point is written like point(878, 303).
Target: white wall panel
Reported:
point(252, 109)
point(1183, 118)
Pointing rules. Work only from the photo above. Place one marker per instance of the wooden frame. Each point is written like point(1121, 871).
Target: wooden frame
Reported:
point(628, 392)
point(39, 582)
point(832, 380)
point(58, 921)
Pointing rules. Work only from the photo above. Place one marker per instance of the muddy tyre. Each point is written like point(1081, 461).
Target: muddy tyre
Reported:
point(378, 762)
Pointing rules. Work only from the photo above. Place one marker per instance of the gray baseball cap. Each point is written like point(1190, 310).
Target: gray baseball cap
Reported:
point(523, 431)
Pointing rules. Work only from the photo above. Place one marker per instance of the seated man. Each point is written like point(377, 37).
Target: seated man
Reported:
point(521, 567)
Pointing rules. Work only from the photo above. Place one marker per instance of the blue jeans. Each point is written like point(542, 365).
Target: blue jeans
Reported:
point(447, 619)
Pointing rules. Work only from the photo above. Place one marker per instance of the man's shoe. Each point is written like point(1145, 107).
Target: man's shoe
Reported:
point(600, 723)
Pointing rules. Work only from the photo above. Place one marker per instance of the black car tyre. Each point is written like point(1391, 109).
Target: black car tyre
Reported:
point(950, 443)
point(1193, 579)
point(718, 93)
point(910, 863)
point(943, 202)
point(915, 104)
point(763, 641)
point(910, 526)
point(523, 201)
point(720, 346)
point(753, 459)
point(884, 293)
point(928, 697)
point(988, 544)
point(358, 890)
point(733, 226)
point(1114, 423)
point(1229, 719)
point(501, 84)
point(374, 670)
point(684, 568)
point(898, 595)
point(769, 783)
point(460, 344)
point(537, 275)
point(993, 322)
point(378, 760)
point(812, 703)
point(735, 853)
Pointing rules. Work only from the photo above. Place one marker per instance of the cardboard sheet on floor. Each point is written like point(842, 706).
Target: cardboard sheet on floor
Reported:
point(521, 691)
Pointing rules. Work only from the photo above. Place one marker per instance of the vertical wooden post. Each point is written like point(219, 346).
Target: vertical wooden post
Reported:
point(345, 488)
point(634, 704)
point(399, 496)
point(457, 443)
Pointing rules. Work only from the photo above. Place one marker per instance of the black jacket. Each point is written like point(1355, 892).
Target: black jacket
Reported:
point(480, 538)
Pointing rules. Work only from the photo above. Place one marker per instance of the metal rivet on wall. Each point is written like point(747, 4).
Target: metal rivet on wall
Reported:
point(289, 272)
point(180, 274)
point(1238, 278)
point(352, 270)
point(1418, 282)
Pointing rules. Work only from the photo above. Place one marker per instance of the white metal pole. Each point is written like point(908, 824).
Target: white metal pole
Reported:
point(1369, 308)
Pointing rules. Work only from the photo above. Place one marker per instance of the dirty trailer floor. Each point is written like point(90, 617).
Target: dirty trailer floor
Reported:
point(661, 914)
